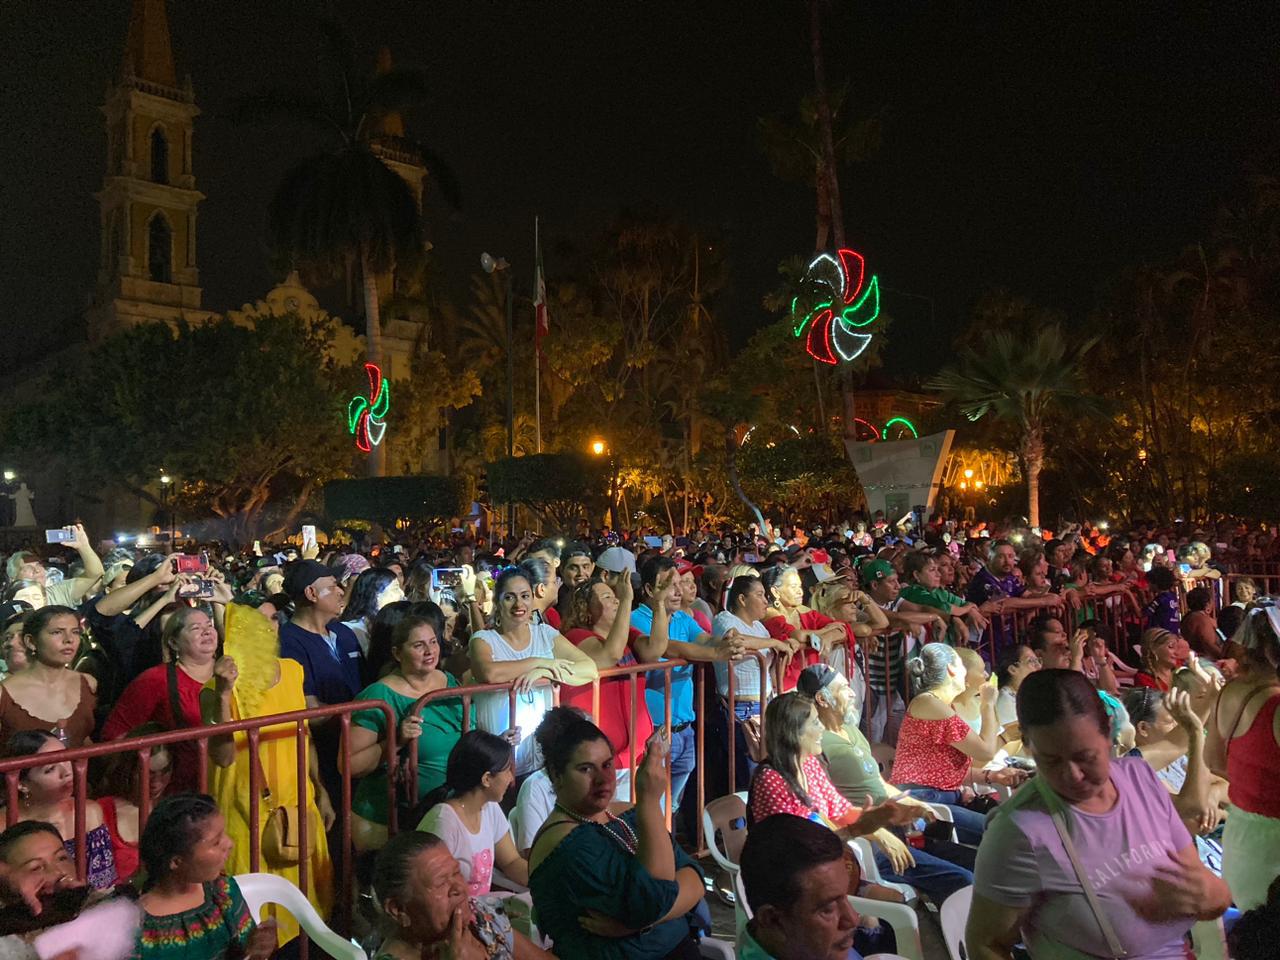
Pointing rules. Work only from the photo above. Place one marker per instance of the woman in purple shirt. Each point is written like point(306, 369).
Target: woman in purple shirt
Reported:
point(1131, 848)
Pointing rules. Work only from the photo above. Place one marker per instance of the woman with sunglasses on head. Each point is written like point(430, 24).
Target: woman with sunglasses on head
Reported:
point(521, 650)
point(1244, 747)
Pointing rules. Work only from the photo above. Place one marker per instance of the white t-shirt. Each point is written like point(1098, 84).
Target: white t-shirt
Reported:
point(1006, 706)
point(493, 710)
point(533, 806)
point(473, 851)
point(361, 630)
point(746, 672)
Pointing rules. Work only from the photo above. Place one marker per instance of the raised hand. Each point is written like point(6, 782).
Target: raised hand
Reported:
point(225, 675)
point(1178, 703)
point(651, 776)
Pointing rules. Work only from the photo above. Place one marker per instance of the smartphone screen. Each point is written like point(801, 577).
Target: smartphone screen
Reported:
point(308, 535)
point(59, 536)
point(188, 563)
point(446, 577)
point(199, 589)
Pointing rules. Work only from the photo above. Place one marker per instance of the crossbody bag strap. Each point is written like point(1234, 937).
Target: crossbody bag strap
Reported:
point(1108, 931)
point(256, 760)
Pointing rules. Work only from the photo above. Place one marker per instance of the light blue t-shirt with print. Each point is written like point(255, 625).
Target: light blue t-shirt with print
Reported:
point(685, 629)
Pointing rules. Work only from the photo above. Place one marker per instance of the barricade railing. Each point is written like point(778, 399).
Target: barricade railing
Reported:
point(1266, 582)
point(79, 758)
point(630, 674)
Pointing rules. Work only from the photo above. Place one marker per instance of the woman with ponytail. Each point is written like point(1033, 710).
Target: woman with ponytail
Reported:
point(468, 817)
point(1090, 858)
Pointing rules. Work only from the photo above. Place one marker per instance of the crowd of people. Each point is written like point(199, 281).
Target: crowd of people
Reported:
point(1077, 726)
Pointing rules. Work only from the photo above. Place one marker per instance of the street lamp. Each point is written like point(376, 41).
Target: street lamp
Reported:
point(489, 265)
point(166, 500)
point(9, 476)
point(597, 447)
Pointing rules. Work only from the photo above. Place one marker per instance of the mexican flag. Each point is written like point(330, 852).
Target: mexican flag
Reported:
point(542, 326)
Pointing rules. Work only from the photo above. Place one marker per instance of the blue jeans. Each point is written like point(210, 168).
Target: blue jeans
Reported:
point(969, 825)
point(934, 877)
point(684, 756)
point(741, 711)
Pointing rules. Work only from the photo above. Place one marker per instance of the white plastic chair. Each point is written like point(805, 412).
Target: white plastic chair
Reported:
point(866, 855)
point(953, 916)
point(714, 949)
point(261, 889)
point(901, 917)
point(728, 816)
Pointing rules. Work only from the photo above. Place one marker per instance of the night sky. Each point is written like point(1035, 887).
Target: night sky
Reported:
point(1026, 145)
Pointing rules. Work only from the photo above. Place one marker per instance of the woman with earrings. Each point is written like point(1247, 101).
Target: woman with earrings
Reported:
point(811, 635)
point(468, 818)
point(415, 649)
point(614, 887)
point(119, 797)
point(46, 793)
point(48, 694)
point(169, 694)
point(427, 911)
point(938, 752)
point(517, 649)
point(190, 907)
point(1159, 659)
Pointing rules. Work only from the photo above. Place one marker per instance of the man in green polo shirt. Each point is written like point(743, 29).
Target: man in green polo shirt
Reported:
point(924, 587)
point(797, 876)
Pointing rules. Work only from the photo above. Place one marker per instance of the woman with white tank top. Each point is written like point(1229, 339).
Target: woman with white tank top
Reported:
point(527, 653)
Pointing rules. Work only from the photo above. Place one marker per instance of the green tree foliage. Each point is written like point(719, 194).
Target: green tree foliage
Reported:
point(798, 475)
point(559, 487)
point(239, 415)
point(1024, 384)
point(387, 499)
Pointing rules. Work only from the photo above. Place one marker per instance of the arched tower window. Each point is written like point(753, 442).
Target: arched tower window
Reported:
point(159, 156)
point(160, 249)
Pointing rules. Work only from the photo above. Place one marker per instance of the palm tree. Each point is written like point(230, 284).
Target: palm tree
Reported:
point(1024, 384)
point(346, 210)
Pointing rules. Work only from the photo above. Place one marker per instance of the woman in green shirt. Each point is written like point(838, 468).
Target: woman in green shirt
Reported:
point(610, 887)
point(415, 648)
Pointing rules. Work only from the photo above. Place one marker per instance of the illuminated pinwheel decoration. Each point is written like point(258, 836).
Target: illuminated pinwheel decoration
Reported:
point(367, 416)
point(836, 301)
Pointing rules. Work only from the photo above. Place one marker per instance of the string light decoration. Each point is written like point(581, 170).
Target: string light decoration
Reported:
point(835, 301)
point(869, 425)
point(367, 416)
point(905, 422)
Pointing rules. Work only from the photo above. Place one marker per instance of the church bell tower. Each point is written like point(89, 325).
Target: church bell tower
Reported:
point(147, 271)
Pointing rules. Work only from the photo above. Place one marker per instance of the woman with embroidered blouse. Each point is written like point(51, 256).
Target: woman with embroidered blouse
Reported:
point(609, 886)
point(190, 908)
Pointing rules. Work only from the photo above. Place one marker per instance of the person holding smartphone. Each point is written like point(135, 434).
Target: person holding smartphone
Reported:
point(609, 885)
point(25, 565)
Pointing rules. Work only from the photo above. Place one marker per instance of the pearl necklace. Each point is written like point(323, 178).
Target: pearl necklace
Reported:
point(627, 838)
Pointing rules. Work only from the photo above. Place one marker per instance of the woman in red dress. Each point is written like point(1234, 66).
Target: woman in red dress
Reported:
point(791, 619)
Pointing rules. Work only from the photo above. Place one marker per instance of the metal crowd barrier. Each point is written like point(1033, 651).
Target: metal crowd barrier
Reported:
point(79, 758)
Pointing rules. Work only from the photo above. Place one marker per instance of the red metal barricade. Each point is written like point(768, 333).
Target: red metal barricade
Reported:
point(80, 756)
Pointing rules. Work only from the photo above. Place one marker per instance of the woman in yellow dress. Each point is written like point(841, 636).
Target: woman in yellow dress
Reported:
point(253, 682)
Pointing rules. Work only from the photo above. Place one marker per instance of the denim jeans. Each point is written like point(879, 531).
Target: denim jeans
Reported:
point(969, 825)
point(683, 757)
point(934, 877)
point(741, 711)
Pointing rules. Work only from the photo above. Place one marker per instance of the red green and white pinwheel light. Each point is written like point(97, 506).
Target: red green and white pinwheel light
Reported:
point(835, 302)
point(367, 416)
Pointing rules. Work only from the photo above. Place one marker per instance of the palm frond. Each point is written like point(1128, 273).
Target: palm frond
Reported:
point(445, 178)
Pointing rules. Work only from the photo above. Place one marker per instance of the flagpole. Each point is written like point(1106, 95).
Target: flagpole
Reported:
point(537, 353)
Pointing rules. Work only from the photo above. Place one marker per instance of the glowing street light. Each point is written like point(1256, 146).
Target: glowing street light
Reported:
point(166, 479)
point(968, 474)
point(9, 476)
point(597, 447)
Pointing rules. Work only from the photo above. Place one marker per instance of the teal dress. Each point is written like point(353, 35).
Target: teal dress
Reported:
point(589, 870)
point(441, 729)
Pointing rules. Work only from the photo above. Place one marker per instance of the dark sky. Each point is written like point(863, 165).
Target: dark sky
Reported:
point(1034, 146)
